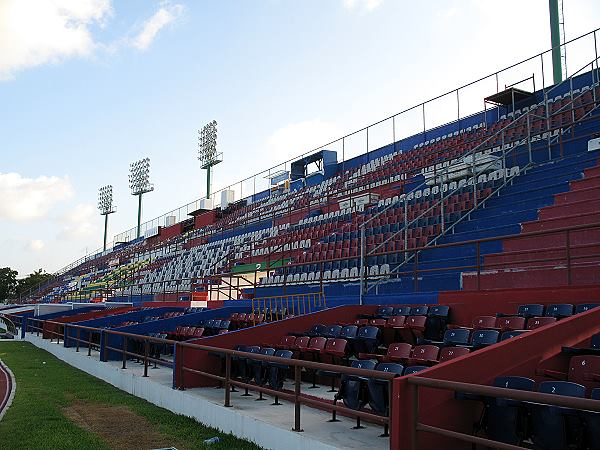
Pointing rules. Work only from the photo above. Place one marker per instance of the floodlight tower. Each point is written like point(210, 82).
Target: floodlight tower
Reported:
point(139, 183)
point(207, 150)
point(106, 207)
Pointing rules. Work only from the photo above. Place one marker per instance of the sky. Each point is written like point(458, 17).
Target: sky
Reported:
point(89, 86)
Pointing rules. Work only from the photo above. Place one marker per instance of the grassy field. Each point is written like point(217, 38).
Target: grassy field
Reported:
point(59, 407)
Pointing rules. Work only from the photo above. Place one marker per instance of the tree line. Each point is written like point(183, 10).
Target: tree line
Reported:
point(12, 287)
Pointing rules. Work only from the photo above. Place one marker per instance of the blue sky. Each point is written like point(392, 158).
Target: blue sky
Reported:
point(88, 86)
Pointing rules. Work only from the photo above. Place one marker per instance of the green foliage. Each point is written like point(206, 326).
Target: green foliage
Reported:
point(31, 281)
point(8, 283)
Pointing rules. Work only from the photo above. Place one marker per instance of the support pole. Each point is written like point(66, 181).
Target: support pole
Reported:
point(208, 182)
point(555, 39)
point(105, 229)
point(139, 221)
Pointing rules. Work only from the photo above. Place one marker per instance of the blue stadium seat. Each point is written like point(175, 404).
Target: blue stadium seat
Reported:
point(559, 311)
point(379, 393)
point(353, 389)
point(552, 427)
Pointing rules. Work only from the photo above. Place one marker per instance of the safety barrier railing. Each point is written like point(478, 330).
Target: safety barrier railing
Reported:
point(417, 426)
point(278, 307)
point(226, 379)
point(443, 176)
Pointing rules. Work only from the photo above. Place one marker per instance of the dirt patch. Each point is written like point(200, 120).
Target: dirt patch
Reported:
point(120, 427)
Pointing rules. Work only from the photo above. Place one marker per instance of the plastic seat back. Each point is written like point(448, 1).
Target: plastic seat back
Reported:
point(530, 310)
point(333, 331)
point(349, 331)
point(399, 351)
point(401, 311)
point(510, 323)
point(414, 369)
point(502, 421)
point(396, 321)
point(317, 330)
point(559, 310)
point(383, 312)
point(448, 353)
point(456, 337)
point(379, 389)
point(483, 338)
point(483, 322)
point(536, 322)
point(419, 310)
point(302, 342)
point(548, 425)
point(317, 343)
point(585, 307)
point(510, 334)
point(351, 387)
point(584, 369)
point(277, 371)
point(425, 352)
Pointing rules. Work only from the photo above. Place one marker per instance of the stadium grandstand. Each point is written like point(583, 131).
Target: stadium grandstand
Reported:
point(436, 289)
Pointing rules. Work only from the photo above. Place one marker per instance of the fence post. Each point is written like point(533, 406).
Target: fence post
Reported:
point(227, 380)
point(297, 375)
point(124, 352)
point(146, 351)
point(78, 338)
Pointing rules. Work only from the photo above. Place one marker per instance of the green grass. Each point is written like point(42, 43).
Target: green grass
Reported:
point(46, 385)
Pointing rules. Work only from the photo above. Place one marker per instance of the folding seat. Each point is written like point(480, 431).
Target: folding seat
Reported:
point(315, 330)
point(314, 347)
point(353, 389)
point(402, 311)
point(484, 338)
point(510, 323)
point(504, 420)
point(413, 328)
point(556, 428)
point(449, 353)
point(560, 311)
point(366, 341)
point(592, 423)
point(260, 369)
point(437, 319)
point(585, 307)
point(423, 355)
point(454, 337)
point(510, 334)
point(277, 371)
point(286, 343)
point(414, 369)
point(536, 322)
point(300, 344)
point(419, 310)
point(332, 331)
point(530, 310)
point(395, 322)
point(379, 391)
point(242, 366)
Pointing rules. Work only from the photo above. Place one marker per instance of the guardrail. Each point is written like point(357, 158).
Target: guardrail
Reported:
point(98, 339)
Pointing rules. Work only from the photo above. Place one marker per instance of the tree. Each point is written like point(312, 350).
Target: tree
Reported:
point(8, 283)
point(32, 281)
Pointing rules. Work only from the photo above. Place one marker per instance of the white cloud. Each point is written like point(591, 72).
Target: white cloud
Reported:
point(365, 5)
point(301, 137)
point(36, 245)
point(79, 223)
point(27, 198)
point(36, 32)
point(166, 14)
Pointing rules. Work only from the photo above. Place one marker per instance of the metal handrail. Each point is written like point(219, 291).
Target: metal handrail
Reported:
point(488, 391)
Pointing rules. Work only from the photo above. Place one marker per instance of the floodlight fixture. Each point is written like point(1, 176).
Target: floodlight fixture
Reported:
point(207, 150)
point(106, 207)
point(139, 183)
